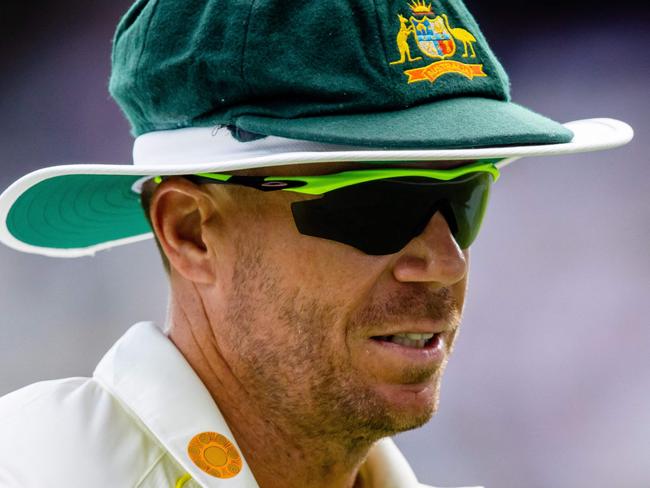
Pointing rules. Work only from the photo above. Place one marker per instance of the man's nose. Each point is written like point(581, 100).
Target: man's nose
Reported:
point(433, 256)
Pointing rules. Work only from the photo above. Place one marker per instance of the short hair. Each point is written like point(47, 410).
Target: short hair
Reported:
point(148, 189)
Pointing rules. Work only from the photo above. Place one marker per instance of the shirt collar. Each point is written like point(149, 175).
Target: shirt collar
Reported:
point(150, 377)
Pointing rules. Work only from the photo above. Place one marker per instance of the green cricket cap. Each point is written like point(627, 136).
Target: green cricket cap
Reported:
point(218, 85)
point(391, 74)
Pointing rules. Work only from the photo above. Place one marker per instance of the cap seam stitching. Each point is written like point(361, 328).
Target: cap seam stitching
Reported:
point(144, 42)
point(383, 48)
point(244, 47)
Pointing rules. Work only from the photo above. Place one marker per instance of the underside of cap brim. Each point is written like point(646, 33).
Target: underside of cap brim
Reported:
point(72, 215)
point(465, 122)
point(77, 210)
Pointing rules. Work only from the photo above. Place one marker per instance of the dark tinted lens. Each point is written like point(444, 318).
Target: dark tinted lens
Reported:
point(468, 207)
point(381, 217)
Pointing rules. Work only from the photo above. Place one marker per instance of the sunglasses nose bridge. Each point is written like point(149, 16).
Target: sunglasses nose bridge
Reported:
point(432, 256)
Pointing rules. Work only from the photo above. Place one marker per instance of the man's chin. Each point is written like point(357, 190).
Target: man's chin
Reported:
point(402, 407)
point(410, 406)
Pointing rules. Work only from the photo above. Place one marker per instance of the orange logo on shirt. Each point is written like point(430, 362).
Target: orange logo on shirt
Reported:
point(215, 454)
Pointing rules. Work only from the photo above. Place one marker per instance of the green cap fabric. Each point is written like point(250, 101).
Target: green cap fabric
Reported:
point(353, 72)
point(388, 81)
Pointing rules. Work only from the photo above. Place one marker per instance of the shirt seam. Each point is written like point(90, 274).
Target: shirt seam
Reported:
point(41, 394)
point(150, 469)
point(143, 427)
point(134, 417)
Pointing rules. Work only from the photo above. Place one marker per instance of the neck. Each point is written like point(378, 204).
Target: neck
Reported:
point(277, 450)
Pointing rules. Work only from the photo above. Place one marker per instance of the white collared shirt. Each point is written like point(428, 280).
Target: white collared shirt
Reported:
point(131, 425)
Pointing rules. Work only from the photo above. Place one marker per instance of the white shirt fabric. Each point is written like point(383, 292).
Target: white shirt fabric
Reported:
point(130, 426)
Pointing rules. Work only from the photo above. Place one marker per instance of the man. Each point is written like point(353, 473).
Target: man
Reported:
point(314, 202)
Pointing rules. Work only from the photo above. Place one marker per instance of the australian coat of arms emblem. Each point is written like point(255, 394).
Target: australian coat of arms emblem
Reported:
point(436, 39)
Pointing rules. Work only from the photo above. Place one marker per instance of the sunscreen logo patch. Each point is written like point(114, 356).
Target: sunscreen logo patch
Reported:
point(215, 454)
point(437, 39)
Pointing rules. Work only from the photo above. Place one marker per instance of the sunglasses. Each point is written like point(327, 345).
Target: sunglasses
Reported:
point(379, 211)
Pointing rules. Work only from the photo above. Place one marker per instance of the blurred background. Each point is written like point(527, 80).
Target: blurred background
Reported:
point(550, 382)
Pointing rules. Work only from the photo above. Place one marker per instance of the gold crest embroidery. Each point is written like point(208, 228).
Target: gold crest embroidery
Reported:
point(435, 38)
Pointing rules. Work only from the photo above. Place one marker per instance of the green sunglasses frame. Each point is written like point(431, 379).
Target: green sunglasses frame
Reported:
point(364, 240)
point(321, 184)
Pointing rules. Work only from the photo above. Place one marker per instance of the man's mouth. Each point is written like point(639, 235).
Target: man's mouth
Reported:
point(413, 340)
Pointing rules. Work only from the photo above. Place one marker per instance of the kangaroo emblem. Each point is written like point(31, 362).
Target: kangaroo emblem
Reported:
point(436, 39)
point(402, 41)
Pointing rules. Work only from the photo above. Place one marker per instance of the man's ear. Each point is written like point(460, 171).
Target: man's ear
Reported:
point(180, 212)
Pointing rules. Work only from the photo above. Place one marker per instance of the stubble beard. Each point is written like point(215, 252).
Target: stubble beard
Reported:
point(295, 380)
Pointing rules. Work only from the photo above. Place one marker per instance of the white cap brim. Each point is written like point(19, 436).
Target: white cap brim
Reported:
point(197, 150)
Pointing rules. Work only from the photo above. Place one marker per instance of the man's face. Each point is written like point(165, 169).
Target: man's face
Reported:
point(306, 324)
